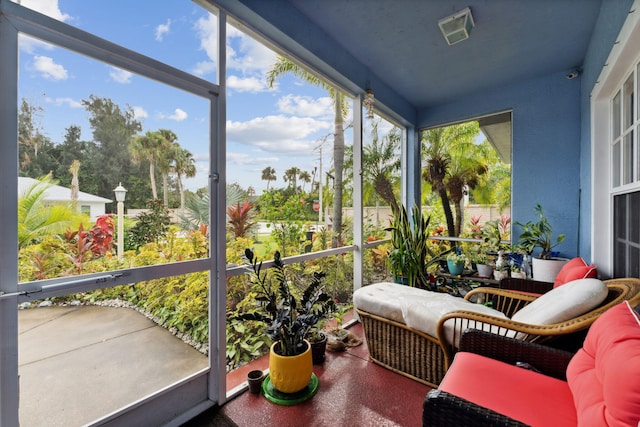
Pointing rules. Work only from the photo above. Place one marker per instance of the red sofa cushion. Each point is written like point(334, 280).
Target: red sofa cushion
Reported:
point(575, 269)
point(604, 376)
point(527, 396)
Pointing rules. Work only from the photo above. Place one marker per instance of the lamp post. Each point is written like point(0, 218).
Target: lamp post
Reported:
point(121, 193)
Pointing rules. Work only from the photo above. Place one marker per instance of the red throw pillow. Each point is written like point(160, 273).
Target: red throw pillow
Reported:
point(603, 375)
point(575, 269)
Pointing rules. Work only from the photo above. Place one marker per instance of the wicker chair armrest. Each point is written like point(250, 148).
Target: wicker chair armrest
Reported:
point(506, 301)
point(442, 409)
point(548, 360)
point(525, 285)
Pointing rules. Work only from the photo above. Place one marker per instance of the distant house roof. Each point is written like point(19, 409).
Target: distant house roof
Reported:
point(56, 193)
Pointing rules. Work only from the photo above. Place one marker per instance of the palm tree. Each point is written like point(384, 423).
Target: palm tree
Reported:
point(305, 177)
point(75, 185)
point(36, 219)
point(380, 161)
point(449, 166)
point(166, 159)
point(291, 176)
point(268, 174)
point(183, 165)
point(147, 147)
point(284, 66)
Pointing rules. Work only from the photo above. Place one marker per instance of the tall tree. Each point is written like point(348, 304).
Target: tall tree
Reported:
point(291, 176)
point(36, 152)
point(284, 66)
point(184, 165)
point(75, 184)
point(381, 161)
point(268, 174)
point(113, 129)
point(148, 147)
point(438, 145)
point(305, 177)
point(166, 159)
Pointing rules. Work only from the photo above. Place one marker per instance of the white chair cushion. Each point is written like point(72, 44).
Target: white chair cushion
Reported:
point(424, 314)
point(383, 299)
point(563, 303)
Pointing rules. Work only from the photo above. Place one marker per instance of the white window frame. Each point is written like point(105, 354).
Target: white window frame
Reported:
point(621, 63)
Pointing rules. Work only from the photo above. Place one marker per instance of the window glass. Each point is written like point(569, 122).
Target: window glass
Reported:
point(627, 159)
point(615, 165)
point(616, 124)
point(628, 105)
point(86, 128)
point(178, 33)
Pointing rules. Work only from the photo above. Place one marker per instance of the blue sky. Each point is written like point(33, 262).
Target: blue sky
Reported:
point(278, 127)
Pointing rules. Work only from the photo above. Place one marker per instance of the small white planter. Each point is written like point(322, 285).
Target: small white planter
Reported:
point(500, 274)
point(484, 270)
point(546, 270)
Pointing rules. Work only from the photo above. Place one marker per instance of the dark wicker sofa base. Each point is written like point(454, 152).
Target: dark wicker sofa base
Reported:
point(401, 349)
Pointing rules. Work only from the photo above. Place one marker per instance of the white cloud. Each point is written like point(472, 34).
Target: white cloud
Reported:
point(178, 115)
point(244, 53)
point(120, 76)
point(306, 106)
point(49, 69)
point(206, 29)
point(64, 101)
point(139, 113)
point(248, 159)
point(277, 134)
point(246, 84)
point(204, 67)
point(46, 7)
point(162, 30)
point(250, 56)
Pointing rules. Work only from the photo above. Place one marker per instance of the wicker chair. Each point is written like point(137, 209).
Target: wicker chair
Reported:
point(442, 409)
point(509, 302)
point(426, 358)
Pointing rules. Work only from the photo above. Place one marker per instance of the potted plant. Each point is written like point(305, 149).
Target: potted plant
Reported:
point(539, 234)
point(480, 259)
point(318, 340)
point(410, 257)
point(455, 262)
point(288, 321)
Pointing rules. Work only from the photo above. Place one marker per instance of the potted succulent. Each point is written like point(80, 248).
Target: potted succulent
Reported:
point(480, 259)
point(539, 234)
point(288, 321)
point(410, 256)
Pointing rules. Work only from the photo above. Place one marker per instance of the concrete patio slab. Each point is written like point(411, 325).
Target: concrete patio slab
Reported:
point(77, 364)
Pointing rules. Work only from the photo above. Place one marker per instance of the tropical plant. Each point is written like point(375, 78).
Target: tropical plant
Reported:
point(285, 66)
point(539, 234)
point(183, 165)
point(239, 218)
point(148, 147)
point(454, 164)
point(36, 219)
point(150, 226)
point(287, 319)
point(411, 256)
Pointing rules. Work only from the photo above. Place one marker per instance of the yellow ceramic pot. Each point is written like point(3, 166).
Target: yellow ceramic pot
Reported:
point(290, 374)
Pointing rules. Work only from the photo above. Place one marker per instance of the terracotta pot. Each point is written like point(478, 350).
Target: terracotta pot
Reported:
point(290, 374)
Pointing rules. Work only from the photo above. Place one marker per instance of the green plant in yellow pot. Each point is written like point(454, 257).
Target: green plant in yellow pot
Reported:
point(288, 320)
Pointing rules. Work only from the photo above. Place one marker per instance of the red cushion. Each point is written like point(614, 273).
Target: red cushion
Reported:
point(524, 395)
point(575, 269)
point(604, 376)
